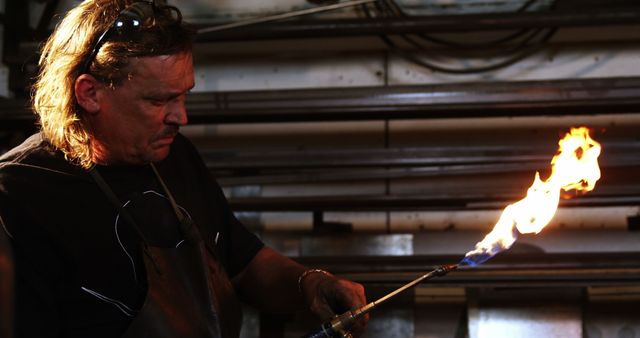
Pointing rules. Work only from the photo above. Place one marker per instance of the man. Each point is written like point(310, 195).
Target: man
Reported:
point(117, 228)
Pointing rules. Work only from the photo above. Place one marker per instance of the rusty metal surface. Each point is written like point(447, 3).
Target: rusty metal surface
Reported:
point(552, 319)
point(383, 245)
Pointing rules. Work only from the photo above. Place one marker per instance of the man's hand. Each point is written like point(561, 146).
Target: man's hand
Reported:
point(328, 296)
point(274, 283)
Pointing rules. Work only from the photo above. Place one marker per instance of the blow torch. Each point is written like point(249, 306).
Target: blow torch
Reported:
point(338, 327)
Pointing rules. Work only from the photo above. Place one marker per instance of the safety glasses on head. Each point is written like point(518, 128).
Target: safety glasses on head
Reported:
point(131, 20)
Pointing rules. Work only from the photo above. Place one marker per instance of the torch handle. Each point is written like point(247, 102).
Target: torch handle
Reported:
point(341, 323)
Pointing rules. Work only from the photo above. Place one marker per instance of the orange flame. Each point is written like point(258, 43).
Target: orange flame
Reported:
point(575, 167)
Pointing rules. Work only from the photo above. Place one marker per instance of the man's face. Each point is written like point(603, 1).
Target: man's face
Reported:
point(138, 119)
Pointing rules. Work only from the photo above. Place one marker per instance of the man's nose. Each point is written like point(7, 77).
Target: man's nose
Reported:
point(177, 114)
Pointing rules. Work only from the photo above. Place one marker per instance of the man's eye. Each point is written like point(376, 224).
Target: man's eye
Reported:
point(157, 102)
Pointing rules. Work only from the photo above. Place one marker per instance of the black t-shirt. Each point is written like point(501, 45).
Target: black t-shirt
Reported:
point(79, 271)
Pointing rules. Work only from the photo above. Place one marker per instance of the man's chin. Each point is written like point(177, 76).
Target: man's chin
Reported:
point(158, 154)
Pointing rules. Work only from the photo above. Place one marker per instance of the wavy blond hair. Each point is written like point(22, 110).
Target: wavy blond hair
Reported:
point(70, 45)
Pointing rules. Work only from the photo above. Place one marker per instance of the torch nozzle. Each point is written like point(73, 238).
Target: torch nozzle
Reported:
point(445, 269)
point(340, 324)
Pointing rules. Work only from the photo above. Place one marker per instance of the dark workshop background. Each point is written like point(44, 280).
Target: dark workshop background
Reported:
point(382, 139)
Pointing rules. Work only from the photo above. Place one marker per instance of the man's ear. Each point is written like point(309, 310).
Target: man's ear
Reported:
point(86, 88)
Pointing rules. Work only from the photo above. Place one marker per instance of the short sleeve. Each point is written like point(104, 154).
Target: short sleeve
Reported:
point(240, 245)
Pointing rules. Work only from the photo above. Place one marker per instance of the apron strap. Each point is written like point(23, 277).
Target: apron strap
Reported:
point(125, 214)
point(189, 229)
point(185, 225)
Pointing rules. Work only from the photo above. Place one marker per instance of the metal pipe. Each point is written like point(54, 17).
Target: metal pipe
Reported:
point(283, 16)
point(428, 24)
point(340, 325)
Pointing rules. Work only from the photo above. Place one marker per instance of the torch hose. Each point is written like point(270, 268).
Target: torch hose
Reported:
point(341, 323)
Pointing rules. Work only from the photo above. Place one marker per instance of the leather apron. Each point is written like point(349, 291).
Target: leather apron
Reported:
point(189, 294)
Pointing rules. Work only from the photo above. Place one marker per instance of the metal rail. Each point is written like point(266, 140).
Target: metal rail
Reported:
point(526, 98)
point(490, 99)
point(436, 201)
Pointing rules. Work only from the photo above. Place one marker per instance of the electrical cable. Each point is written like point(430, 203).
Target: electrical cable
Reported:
point(401, 13)
point(525, 47)
point(484, 52)
point(504, 63)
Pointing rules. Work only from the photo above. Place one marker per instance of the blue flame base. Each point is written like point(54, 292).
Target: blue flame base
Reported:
point(475, 260)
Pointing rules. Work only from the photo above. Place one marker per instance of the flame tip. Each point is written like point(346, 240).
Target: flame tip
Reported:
point(574, 167)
